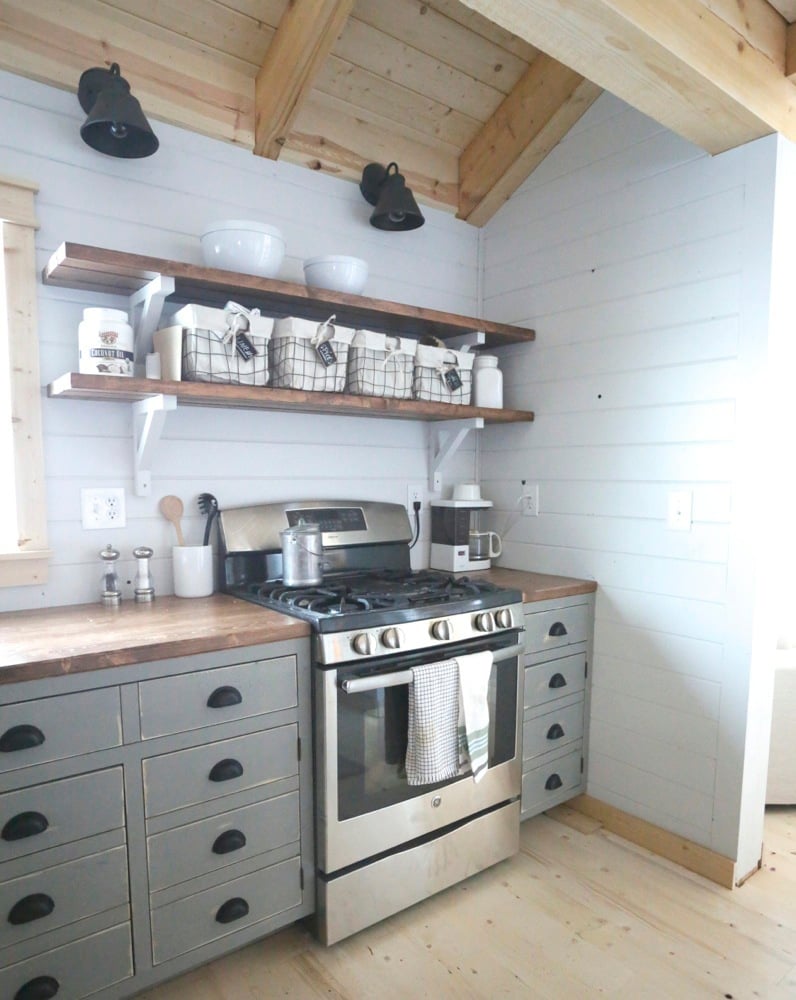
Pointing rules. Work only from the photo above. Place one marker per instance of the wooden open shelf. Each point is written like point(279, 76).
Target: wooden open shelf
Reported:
point(74, 385)
point(74, 265)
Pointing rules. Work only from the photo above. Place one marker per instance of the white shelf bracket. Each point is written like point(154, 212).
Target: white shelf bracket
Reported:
point(446, 437)
point(466, 341)
point(146, 305)
point(149, 416)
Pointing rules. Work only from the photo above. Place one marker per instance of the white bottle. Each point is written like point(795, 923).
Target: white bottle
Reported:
point(487, 382)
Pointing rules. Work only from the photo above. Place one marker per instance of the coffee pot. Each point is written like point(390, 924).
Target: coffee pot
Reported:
point(458, 541)
point(302, 555)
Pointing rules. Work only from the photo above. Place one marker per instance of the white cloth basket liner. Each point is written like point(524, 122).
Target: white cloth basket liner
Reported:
point(431, 363)
point(209, 353)
point(381, 365)
point(295, 363)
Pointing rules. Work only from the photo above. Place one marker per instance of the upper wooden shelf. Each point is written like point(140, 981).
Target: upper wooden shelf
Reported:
point(74, 265)
point(74, 385)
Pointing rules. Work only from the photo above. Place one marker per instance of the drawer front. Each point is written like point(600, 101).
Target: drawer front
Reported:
point(552, 730)
point(76, 970)
point(59, 812)
point(190, 701)
point(547, 681)
point(205, 916)
point(55, 896)
point(188, 851)
point(187, 777)
point(550, 783)
point(63, 726)
point(558, 627)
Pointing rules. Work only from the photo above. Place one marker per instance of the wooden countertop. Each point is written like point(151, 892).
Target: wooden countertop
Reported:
point(50, 642)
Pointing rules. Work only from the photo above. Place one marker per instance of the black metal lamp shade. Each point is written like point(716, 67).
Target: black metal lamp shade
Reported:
point(116, 125)
point(396, 208)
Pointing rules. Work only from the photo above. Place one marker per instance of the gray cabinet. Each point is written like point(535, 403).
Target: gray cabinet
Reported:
point(152, 817)
point(558, 642)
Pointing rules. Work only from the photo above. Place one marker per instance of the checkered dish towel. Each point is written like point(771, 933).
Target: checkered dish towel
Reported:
point(474, 671)
point(432, 744)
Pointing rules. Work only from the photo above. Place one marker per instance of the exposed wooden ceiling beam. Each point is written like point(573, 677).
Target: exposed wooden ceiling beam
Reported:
point(790, 52)
point(545, 103)
point(680, 62)
point(303, 40)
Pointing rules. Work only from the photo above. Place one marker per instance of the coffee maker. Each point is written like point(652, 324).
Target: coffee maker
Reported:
point(458, 542)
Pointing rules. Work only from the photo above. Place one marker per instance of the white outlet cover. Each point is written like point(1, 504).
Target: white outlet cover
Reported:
point(103, 508)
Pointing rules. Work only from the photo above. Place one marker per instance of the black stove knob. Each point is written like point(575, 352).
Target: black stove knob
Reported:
point(484, 622)
point(441, 630)
point(393, 638)
point(364, 644)
point(504, 618)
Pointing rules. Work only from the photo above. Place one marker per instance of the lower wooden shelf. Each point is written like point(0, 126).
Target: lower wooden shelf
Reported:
point(74, 385)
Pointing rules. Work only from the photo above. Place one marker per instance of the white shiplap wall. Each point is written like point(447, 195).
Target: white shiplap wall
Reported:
point(158, 206)
point(643, 266)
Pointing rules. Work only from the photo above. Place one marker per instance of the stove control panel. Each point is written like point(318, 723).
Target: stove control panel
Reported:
point(411, 636)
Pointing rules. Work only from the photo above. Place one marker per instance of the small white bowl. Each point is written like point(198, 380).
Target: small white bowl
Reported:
point(336, 273)
point(244, 246)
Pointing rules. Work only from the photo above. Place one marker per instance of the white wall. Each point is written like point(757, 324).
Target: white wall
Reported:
point(643, 265)
point(158, 206)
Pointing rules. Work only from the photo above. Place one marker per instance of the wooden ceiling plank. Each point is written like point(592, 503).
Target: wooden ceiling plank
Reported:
point(787, 8)
point(487, 29)
point(303, 40)
point(541, 109)
point(790, 52)
point(677, 62)
point(758, 22)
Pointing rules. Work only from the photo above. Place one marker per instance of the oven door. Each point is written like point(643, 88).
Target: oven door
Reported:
point(364, 803)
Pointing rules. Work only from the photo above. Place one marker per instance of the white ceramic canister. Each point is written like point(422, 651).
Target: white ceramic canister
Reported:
point(487, 382)
point(105, 339)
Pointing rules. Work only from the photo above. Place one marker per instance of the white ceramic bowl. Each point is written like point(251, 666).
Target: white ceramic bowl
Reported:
point(244, 246)
point(336, 273)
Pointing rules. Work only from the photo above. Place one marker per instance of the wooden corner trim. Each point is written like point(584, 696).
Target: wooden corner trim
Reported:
point(716, 867)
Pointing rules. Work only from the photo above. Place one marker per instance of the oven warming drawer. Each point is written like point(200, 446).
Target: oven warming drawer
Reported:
point(352, 901)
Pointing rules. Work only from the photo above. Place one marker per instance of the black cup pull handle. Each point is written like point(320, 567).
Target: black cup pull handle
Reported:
point(558, 628)
point(30, 908)
point(558, 681)
point(228, 841)
point(226, 770)
point(40, 988)
point(555, 732)
point(26, 824)
point(21, 738)
point(223, 697)
point(233, 909)
point(553, 782)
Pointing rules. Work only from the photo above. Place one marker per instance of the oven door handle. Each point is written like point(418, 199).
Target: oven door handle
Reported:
point(358, 684)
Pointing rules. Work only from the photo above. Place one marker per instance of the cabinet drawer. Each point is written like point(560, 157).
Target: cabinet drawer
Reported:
point(184, 778)
point(55, 896)
point(552, 730)
point(205, 916)
point(75, 970)
point(190, 701)
point(547, 681)
point(557, 627)
point(63, 726)
point(550, 783)
point(188, 851)
point(59, 812)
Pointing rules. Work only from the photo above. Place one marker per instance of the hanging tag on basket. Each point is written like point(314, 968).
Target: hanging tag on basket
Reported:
point(245, 347)
point(452, 379)
point(322, 343)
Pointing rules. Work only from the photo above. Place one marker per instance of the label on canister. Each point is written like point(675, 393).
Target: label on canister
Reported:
point(106, 345)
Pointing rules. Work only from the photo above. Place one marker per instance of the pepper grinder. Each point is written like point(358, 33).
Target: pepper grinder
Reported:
point(110, 592)
point(144, 590)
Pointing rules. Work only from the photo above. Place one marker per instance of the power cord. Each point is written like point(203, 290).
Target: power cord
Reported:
point(416, 507)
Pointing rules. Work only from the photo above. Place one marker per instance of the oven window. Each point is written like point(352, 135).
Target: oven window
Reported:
point(371, 740)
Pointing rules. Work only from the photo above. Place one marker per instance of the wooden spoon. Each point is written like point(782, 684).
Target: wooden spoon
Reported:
point(171, 508)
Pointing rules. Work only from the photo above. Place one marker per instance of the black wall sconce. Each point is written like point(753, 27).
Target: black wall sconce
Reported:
point(396, 208)
point(116, 125)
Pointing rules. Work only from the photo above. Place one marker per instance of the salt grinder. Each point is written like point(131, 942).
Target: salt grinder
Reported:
point(144, 590)
point(110, 592)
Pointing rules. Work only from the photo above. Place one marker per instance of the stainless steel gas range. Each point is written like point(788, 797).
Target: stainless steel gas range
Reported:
point(383, 843)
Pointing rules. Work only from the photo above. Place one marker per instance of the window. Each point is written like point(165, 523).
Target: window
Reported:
point(23, 539)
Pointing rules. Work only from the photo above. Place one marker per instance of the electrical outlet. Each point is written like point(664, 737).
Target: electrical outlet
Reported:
point(414, 492)
point(529, 500)
point(103, 508)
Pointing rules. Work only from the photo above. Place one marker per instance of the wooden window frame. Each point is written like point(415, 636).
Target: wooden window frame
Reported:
point(28, 564)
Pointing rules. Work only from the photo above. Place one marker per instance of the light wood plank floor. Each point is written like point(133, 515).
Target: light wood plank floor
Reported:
point(578, 913)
